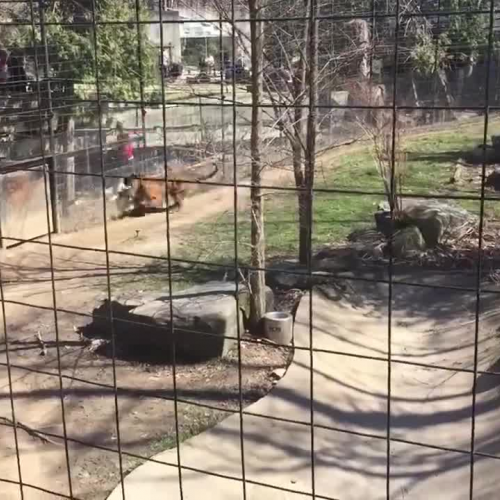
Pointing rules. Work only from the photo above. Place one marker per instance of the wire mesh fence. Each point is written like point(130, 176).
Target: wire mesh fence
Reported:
point(173, 171)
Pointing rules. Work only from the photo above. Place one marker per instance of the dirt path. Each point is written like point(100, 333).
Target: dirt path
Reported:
point(26, 269)
point(80, 279)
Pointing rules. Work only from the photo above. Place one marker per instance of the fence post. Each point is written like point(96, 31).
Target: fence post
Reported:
point(67, 161)
point(87, 181)
point(202, 124)
point(56, 223)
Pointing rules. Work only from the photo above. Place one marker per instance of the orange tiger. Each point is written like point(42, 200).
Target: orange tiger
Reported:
point(138, 195)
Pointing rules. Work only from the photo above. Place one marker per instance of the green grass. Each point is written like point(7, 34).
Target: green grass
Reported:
point(335, 216)
point(192, 421)
point(431, 161)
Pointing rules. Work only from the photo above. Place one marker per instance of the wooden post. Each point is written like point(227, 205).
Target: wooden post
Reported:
point(69, 148)
point(202, 124)
point(87, 160)
point(56, 220)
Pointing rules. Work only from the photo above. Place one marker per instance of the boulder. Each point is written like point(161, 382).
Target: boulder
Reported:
point(436, 221)
point(493, 180)
point(337, 259)
point(407, 242)
point(287, 274)
point(483, 154)
point(205, 320)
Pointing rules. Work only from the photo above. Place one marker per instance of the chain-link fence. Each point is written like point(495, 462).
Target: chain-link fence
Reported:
point(249, 249)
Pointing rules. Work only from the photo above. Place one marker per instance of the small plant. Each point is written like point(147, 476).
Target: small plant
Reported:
point(390, 157)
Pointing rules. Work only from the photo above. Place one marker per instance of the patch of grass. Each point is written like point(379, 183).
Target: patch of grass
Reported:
point(335, 216)
point(131, 463)
point(432, 157)
point(192, 421)
point(431, 160)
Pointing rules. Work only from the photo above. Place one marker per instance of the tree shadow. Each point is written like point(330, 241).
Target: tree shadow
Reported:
point(336, 449)
point(439, 157)
point(415, 296)
point(466, 157)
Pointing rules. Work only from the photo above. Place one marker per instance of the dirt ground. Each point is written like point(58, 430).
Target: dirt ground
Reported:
point(147, 414)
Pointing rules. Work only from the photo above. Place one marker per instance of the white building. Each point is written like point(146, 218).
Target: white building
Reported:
point(186, 23)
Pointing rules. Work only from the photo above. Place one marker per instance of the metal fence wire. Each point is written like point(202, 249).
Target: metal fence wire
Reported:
point(338, 163)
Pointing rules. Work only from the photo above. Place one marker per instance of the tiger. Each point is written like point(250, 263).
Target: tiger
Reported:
point(137, 196)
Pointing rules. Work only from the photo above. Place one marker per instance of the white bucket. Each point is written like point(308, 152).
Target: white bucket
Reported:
point(278, 327)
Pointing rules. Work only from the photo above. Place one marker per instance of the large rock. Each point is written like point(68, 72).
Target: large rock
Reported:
point(229, 287)
point(205, 320)
point(495, 141)
point(436, 221)
point(287, 274)
point(493, 180)
point(483, 154)
point(337, 259)
point(407, 242)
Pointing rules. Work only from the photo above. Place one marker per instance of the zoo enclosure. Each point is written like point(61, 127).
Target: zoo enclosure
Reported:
point(421, 95)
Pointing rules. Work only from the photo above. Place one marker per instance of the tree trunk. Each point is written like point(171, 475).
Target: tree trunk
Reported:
point(460, 83)
point(298, 148)
point(416, 99)
point(312, 119)
point(257, 277)
point(443, 81)
point(304, 205)
point(414, 88)
point(363, 35)
point(463, 74)
point(364, 38)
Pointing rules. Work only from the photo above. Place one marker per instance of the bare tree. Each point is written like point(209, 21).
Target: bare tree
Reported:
point(258, 249)
point(295, 67)
point(298, 49)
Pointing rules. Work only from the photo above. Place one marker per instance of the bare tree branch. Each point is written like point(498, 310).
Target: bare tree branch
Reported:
point(29, 430)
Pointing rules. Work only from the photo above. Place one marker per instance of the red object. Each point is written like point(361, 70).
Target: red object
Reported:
point(128, 151)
